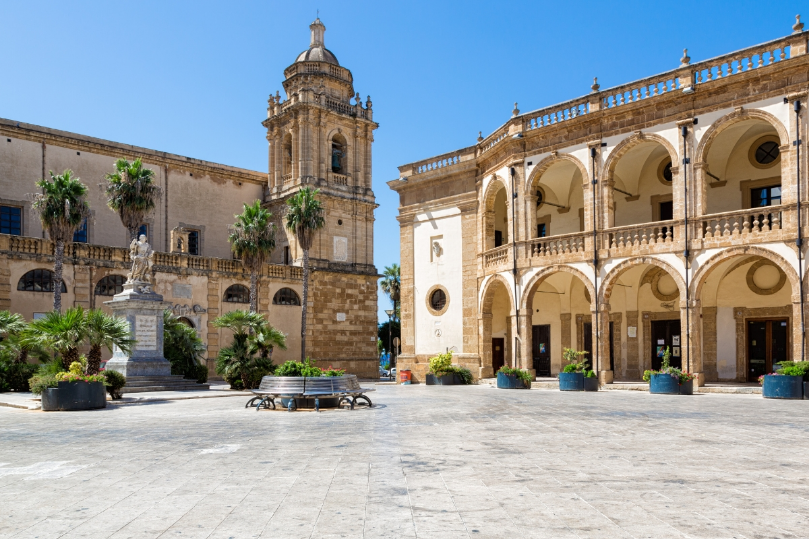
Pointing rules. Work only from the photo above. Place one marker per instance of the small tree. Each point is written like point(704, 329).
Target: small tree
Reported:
point(62, 209)
point(104, 330)
point(237, 361)
point(253, 240)
point(183, 348)
point(391, 284)
point(304, 218)
point(131, 192)
point(62, 333)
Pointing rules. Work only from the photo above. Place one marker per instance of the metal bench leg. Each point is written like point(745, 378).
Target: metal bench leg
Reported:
point(271, 401)
point(291, 405)
point(262, 402)
point(251, 401)
point(347, 399)
point(353, 402)
point(317, 404)
point(363, 397)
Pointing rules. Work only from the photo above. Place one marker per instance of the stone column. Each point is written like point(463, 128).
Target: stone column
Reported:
point(469, 271)
point(565, 319)
point(369, 139)
point(485, 325)
point(488, 230)
point(81, 288)
point(214, 303)
point(695, 343)
point(601, 335)
point(632, 356)
point(5, 282)
point(526, 356)
point(530, 217)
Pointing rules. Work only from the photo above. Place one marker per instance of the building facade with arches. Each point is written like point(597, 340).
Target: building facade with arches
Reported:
point(658, 214)
point(318, 135)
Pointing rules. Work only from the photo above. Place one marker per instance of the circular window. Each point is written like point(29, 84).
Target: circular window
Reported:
point(664, 173)
point(765, 278)
point(437, 300)
point(540, 197)
point(765, 152)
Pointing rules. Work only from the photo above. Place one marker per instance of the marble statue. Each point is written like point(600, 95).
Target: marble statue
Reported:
point(141, 254)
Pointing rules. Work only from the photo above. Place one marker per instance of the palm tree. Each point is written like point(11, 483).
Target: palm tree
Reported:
point(252, 240)
point(107, 331)
point(62, 333)
point(62, 209)
point(182, 346)
point(266, 339)
point(391, 283)
point(13, 329)
point(235, 361)
point(304, 218)
point(132, 192)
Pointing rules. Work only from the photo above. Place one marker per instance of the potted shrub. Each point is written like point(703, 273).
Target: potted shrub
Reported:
point(572, 376)
point(590, 380)
point(443, 373)
point(669, 380)
point(510, 378)
point(72, 390)
point(788, 382)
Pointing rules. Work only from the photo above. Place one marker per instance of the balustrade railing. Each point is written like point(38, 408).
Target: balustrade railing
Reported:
point(633, 236)
point(496, 256)
point(558, 245)
point(339, 106)
point(741, 61)
point(742, 224)
point(556, 113)
point(339, 179)
point(493, 139)
point(638, 90)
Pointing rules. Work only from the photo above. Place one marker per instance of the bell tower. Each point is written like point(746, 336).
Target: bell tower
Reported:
point(320, 135)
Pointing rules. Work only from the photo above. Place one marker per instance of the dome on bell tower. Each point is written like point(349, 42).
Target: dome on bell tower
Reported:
point(317, 51)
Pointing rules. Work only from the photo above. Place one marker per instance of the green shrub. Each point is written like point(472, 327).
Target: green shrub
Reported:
point(575, 360)
point(202, 374)
point(333, 372)
point(296, 368)
point(794, 368)
point(115, 383)
point(237, 384)
point(41, 382)
point(14, 376)
point(525, 376)
point(463, 372)
point(440, 363)
point(589, 373)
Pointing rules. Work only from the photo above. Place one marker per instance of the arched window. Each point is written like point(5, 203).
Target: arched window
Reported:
point(286, 155)
point(237, 293)
point(110, 285)
point(38, 280)
point(187, 322)
point(286, 296)
point(338, 154)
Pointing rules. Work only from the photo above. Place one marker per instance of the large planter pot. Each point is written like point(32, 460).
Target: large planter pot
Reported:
point(591, 384)
point(806, 390)
point(445, 380)
point(71, 396)
point(687, 388)
point(510, 381)
point(571, 381)
point(777, 386)
point(664, 384)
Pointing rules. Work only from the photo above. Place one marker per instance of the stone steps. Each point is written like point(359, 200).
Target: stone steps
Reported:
point(144, 384)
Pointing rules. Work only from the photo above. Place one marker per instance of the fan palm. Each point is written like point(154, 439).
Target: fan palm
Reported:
point(236, 361)
point(104, 330)
point(305, 217)
point(252, 239)
point(62, 333)
point(181, 345)
point(131, 192)
point(266, 339)
point(62, 209)
point(12, 343)
point(391, 283)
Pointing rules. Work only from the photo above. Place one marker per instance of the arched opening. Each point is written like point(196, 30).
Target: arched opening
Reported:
point(497, 327)
point(38, 280)
point(642, 180)
point(750, 311)
point(339, 154)
point(559, 306)
point(237, 293)
point(286, 155)
point(559, 200)
point(286, 296)
point(110, 285)
point(496, 216)
point(646, 297)
point(187, 322)
point(741, 171)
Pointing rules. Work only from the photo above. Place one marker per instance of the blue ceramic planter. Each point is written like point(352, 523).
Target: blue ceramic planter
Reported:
point(571, 381)
point(664, 384)
point(509, 381)
point(782, 387)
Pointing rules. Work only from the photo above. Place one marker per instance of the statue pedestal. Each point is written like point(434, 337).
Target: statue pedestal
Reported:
point(143, 309)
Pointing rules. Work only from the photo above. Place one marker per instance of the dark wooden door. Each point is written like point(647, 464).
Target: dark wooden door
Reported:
point(767, 345)
point(666, 333)
point(498, 353)
point(587, 329)
point(612, 351)
point(541, 339)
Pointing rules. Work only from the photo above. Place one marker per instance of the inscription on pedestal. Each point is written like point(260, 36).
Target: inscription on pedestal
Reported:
point(146, 332)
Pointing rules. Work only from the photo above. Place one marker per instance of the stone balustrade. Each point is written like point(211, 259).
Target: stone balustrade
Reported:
point(774, 223)
point(638, 90)
point(555, 114)
point(741, 61)
point(118, 256)
point(339, 179)
point(496, 257)
point(491, 141)
point(634, 239)
point(442, 161)
point(555, 246)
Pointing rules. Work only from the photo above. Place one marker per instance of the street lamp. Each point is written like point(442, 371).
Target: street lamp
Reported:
point(390, 313)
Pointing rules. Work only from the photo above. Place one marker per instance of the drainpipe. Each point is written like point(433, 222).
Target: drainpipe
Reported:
point(514, 252)
point(685, 253)
point(596, 363)
point(799, 241)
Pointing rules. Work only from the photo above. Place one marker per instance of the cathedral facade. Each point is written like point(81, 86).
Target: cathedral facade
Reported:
point(319, 134)
point(661, 214)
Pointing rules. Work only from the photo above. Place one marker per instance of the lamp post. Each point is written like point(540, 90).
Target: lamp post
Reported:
point(390, 313)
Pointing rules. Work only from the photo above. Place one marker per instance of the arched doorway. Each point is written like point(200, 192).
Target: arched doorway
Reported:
point(497, 326)
point(496, 217)
point(556, 198)
point(750, 311)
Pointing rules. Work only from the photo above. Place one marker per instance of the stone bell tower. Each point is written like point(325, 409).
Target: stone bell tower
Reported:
point(320, 136)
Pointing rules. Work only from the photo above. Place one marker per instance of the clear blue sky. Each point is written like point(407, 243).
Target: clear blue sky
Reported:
point(192, 78)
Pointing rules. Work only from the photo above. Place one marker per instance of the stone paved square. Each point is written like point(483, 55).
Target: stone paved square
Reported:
point(425, 462)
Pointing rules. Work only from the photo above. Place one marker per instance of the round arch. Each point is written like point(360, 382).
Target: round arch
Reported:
point(487, 212)
point(623, 147)
point(540, 276)
point(729, 120)
point(485, 317)
point(712, 263)
point(491, 192)
point(548, 162)
point(487, 296)
point(612, 277)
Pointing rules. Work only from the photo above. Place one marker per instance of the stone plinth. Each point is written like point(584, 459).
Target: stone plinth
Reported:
point(143, 309)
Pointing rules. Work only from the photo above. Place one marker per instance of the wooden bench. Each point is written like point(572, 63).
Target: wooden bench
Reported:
point(346, 388)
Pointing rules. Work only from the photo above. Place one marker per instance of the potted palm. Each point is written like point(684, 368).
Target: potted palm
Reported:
point(669, 380)
point(590, 380)
point(788, 382)
point(572, 376)
point(443, 373)
point(511, 378)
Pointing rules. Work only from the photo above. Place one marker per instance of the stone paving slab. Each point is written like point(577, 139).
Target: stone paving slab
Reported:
point(425, 462)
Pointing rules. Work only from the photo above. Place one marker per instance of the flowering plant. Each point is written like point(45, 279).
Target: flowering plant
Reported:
point(681, 375)
point(333, 372)
point(72, 377)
